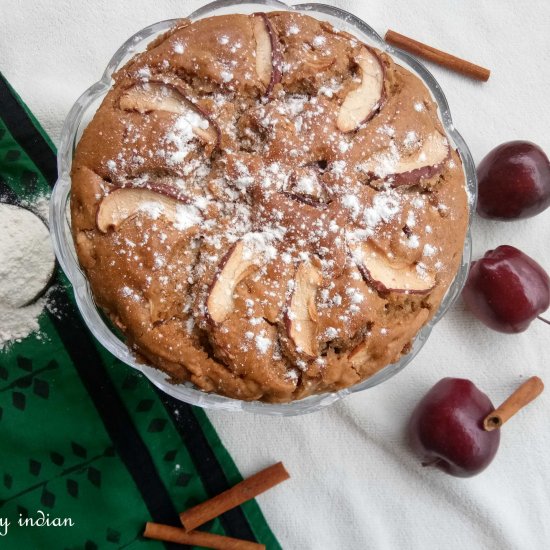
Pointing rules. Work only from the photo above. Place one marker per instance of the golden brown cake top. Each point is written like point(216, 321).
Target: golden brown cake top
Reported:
point(266, 206)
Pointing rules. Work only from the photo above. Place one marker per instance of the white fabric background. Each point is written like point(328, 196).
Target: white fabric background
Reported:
point(354, 482)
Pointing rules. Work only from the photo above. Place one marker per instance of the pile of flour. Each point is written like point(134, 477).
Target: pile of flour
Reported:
point(27, 265)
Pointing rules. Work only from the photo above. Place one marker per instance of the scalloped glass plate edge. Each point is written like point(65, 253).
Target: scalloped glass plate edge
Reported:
point(64, 250)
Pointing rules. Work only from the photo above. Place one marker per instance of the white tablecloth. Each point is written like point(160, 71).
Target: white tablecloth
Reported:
point(354, 482)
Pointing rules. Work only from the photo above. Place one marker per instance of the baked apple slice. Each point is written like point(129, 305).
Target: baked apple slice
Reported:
point(301, 316)
point(268, 52)
point(159, 96)
point(158, 186)
point(424, 163)
point(386, 275)
point(126, 202)
point(234, 267)
point(362, 103)
point(433, 154)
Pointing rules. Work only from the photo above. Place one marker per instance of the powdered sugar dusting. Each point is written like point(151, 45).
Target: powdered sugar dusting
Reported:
point(262, 342)
point(319, 41)
point(385, 206)
point(182, 134)
point(227, 76)
point(187, 216)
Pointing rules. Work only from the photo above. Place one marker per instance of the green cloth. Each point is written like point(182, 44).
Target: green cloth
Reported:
point(83, 436)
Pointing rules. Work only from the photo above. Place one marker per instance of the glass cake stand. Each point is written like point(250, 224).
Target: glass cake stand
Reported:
point(81, 114)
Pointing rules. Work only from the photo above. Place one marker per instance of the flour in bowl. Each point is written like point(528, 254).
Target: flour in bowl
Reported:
point(27, 264)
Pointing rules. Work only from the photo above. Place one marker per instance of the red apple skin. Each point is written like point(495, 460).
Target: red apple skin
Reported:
point(383, 289)
point(506, 289)
point(276, 55)
point(446, 428)
point(514, 182)
point(414, 176)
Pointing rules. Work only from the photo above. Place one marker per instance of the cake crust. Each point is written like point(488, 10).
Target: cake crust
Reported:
point(266, 207)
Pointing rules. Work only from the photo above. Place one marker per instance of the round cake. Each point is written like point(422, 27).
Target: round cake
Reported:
point(267, 207)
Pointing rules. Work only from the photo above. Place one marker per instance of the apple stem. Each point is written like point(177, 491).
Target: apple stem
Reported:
point(543, 320)
point(523, 395)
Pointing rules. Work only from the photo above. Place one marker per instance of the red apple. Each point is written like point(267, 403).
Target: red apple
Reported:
point(506, 289)
point(514, 182)
point(446, 428)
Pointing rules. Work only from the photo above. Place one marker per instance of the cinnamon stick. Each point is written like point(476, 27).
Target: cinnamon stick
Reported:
point(437, 56)
point(167, 533)
point(245, 490)
point(521, 397)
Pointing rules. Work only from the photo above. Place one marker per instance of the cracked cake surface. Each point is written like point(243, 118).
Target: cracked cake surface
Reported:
point(266, 207)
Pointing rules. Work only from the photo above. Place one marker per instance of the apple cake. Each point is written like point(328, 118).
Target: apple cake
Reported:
point(267, 207)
